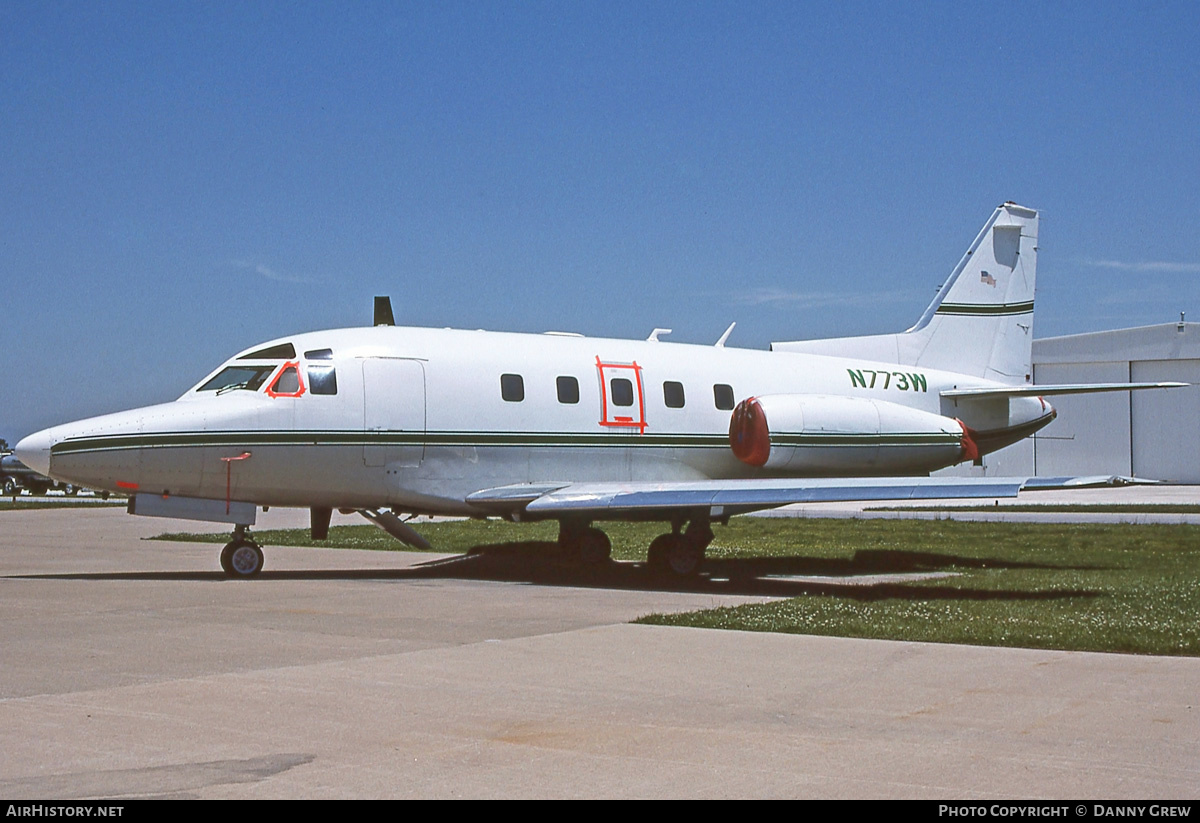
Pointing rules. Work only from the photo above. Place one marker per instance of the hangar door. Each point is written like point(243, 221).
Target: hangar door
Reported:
point(1166, 423)
point(1091, 433)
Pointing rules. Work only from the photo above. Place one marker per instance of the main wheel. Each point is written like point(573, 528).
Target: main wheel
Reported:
point(685, 557)
point(675, 554)
point(593, 546)
point(660, 547)
point(10, 487)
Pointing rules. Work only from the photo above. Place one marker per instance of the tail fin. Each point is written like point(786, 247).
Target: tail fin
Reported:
point(980, 322)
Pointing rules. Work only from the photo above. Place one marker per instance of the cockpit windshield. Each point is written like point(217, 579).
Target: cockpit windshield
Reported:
point(250, 378)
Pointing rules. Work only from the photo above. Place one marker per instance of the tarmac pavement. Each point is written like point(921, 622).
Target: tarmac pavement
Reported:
point(131, 668)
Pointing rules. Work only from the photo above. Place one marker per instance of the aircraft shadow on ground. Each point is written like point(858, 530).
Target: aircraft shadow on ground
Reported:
point(868, 575)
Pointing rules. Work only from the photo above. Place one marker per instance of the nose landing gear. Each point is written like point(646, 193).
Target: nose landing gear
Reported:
point(242, 557)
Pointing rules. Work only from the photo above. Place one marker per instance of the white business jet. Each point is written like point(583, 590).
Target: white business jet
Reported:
point(392, 421)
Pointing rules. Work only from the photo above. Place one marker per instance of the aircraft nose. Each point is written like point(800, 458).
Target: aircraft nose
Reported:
point(34, 451)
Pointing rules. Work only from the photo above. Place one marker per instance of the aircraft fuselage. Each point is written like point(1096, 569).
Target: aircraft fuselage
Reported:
point(418, 419)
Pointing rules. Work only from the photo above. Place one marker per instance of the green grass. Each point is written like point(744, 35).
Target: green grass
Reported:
point(1103, 587)
point(1116, 588)
point(9, 504)
point(1087, 508)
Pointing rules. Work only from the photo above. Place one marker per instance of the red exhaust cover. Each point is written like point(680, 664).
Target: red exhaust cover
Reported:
point(969, 446)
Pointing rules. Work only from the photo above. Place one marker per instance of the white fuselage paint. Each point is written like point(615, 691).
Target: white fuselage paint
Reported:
point(418, 422)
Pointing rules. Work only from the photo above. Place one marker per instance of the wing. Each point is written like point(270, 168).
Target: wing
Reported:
point(644, 500)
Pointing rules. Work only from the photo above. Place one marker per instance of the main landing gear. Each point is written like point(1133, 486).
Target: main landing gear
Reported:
point(679, 552)
point(241, 557)
point(589, 544)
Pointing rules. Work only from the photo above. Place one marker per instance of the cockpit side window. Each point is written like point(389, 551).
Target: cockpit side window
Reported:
point(287, 383)
point(229, 378)
point(322, 377)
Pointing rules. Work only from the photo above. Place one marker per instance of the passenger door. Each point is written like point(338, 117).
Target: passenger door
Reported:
point(393, 411)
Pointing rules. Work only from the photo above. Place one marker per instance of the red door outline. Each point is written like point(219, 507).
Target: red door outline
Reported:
point(607, 417)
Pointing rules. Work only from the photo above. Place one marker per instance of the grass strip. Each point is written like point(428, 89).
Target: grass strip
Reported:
point(67, 503)
point(1055, 508)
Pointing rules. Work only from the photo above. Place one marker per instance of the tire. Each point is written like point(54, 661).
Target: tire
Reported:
point(593, 547)
point(685, 558)
point(660, 549)
point(675, 554)
point(240, 559)
point(226, 558)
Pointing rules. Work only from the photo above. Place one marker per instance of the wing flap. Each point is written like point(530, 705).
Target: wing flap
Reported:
point(749, 495)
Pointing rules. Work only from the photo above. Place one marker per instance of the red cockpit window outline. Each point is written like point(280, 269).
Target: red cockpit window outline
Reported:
point(291, 364)
point(607, 417)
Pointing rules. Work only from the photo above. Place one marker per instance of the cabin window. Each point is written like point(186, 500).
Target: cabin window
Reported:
point(673, 394)
point(512, 388)
point(322, 379)
point(319, 354)
point(283, 351)
point(723, 396)
point(249, 378)
point(621, 391)
point(568, 390)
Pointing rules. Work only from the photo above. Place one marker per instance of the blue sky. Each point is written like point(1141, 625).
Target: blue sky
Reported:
point(182, 180)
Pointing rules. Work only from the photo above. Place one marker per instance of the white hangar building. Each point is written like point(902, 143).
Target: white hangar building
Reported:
point(1152, 434)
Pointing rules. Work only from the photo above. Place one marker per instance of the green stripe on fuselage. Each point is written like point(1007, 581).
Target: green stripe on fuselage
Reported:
point(985, 309)
point(480, 439)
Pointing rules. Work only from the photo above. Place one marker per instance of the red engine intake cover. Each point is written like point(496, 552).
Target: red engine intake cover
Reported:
point(749, 436)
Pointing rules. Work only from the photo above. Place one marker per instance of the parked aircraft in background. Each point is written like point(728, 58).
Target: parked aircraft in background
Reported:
point(390, 421)
point(15, 476)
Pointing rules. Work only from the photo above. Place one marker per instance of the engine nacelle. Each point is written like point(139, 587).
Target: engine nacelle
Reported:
point(821, 434)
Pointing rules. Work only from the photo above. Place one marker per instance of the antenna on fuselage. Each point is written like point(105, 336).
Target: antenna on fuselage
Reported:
point(720, 344)
point(383, 312)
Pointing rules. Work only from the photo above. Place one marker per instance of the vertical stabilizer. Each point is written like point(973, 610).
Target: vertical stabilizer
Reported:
point(980, 322)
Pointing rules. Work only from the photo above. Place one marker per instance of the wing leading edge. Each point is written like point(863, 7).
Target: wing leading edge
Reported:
point(725, 497)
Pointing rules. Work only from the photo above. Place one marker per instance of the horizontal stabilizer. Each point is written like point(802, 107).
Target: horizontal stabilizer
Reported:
point(1037, 484)
point(1063, 388)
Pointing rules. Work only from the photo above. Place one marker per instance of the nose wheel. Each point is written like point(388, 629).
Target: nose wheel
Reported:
point(241, 557)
